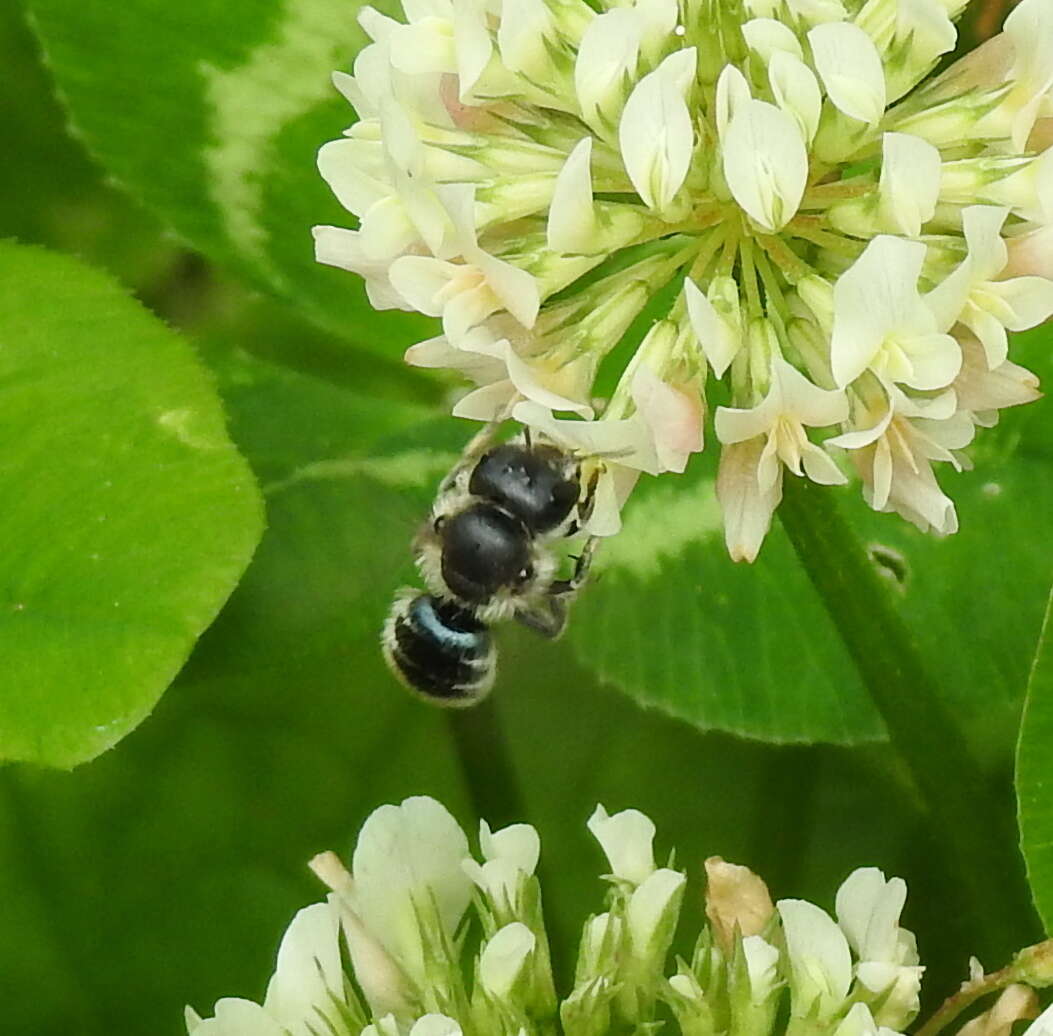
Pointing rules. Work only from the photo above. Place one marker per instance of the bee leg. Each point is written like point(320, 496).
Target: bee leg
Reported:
point(581, 569)
point(588, 501)
point(549, 619)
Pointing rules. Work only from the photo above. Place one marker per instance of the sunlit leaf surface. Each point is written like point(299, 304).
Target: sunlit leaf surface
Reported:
point(212, 114)
point(1034, 775)
point(128, 515)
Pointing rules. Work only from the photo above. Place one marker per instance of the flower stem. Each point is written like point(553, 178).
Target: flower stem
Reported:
point(1022, 969)
point(486, 765)
point(974, 831)
point(970, 992)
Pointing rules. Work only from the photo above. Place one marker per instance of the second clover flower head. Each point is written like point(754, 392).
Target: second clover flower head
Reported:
point(843, 240)
point(404, 946)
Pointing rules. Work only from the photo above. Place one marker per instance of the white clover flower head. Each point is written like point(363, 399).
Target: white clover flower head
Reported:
point(486, 975)
point(535, 172)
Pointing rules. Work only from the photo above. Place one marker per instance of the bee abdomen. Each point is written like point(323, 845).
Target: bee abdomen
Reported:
point(439, 650)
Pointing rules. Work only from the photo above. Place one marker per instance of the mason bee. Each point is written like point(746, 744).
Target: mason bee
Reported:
point(488, 553)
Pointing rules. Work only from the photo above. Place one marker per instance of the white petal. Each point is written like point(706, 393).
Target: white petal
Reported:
point(607, 53)
point(426, 48)
point(485, 403)
point(796, 91)
point(525, 24)
point(626, 840)
point(808, 403)
point(858, 1022)
point(237, 1017)
point(614, 488)
point(465, 308)
point(719, 340)
point(874, 296)
point(336, 246)
point(820, 961)
point(856, 440)
point(435, 1025)
point(496, 879)
point(910, 182)
point(628, 442)
point(862, 895)
point(988, 254)
point(817, 11)
point(761, 965)
point(849, 65)
point(767, 37)
point(657, 20)
point(1029, 300)
point(519, 843)
point(407, 851)
point(949, 298)
point(387, 230)
point(425, 208)
point(673, 413)
point(308, 971)
point(1029, 28)
point(376, 25)
point(740, 424)
point(517, 289)
point(746, 509)
point(504, 957)
point(936, 359)
point(373, 75)
point(653, 906)
point(344, 165)
point(1031, 253)
point(765, 163)
point(438, 353)
point(571, 216)
point(1042, 1025)
point(472, 46)
point(732, 92)
point(656, 134)
point(352, 93)
point(528, 381)
point(978, 388)
point(420, 280)
point(819, 466)
point(926, 25)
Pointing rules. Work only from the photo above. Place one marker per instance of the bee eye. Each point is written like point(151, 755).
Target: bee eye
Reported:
point(439, 522)
point(525, 574)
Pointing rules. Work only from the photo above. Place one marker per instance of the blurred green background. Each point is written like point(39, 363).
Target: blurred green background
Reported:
point(164, 871)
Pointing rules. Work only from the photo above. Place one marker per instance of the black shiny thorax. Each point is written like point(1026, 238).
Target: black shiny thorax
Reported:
point(528, 482)
point(484, 549)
